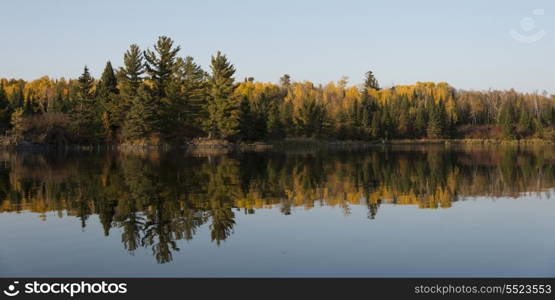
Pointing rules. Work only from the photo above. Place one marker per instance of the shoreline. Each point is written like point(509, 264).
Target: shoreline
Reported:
point(215, 145)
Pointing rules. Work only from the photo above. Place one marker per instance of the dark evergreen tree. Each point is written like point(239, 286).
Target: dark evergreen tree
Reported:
point(285, 81)
point(130, 80)
point(108, 83)
point(311, 118)
point(57, 103)
point(376, 128)
point(221, 108)
point(366, 108)
point(85, 85)
point(130, 75)
point(276, 128)
point(142, 117)
point(506, 120)
point(260, 108)
point(108, 95)
point(405, 122)
point(29, 105)
point(160, 64)
point(287, 119)
point(354, 120)
point(86, 121)
point(387, 123)
point(246, 120)
point(437, 119)
point(370, 81)
point(186, 94)
point(421, 121)
point(5, 111)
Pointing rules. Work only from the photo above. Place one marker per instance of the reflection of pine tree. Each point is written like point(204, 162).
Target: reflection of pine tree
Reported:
point(107, 212)
point(372, 210)
point(158, 234)
point(221, 191)
point(222, 221)
point(131, 231)
point(159, 200)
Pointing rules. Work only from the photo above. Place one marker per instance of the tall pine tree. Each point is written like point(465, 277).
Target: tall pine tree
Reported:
point(130, 75)
point(130, 79)
point(160, 64)
point(186, 94)
point(108, 83)
point(108, 95)
point(142, 117)
point(221, 107)
point(86, 122)
point(160, 68)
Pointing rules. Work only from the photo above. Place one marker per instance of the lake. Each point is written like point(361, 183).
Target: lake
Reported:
point(418, 211)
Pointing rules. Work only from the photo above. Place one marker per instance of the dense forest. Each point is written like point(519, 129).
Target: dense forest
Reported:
point(158, 95)
point(155, 199)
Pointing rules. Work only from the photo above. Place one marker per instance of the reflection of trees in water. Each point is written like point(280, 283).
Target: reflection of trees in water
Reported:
point(158, 200)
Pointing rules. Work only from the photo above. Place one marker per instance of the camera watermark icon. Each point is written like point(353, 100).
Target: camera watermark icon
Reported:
point(11, 292)
point(528, 25)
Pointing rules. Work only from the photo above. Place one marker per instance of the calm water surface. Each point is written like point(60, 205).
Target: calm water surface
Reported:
point(418, 211)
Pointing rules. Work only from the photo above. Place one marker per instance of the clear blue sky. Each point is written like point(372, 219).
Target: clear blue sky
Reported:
point(466, 43)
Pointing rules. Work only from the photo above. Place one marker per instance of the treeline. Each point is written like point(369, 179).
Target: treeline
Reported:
point(157, 95)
